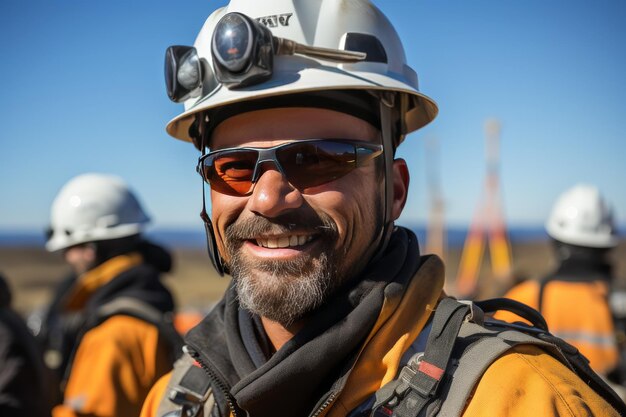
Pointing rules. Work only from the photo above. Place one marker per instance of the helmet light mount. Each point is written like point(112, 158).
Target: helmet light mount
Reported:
point(242, 51)
point(183, 73)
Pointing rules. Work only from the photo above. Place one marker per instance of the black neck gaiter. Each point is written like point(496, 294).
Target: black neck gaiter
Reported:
point(317, 360)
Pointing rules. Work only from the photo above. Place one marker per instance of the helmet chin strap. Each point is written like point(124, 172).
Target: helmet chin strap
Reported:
point(387, 107)
point(211, 242)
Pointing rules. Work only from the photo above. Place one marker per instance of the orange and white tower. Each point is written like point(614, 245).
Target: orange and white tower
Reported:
point(435, 235)
point(488, 223)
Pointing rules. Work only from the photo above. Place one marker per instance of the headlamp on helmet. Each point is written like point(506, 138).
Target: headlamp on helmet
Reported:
point(243, 54)
point(183, 73)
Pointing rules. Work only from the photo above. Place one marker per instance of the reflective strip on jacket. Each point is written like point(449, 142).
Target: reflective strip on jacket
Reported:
point(577, 312)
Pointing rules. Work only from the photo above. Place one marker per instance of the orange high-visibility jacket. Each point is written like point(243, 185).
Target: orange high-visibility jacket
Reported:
point(577, 312)
point(524, 381)
point(116, 362)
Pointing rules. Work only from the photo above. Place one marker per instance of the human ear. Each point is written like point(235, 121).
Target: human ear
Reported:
point(401, 180)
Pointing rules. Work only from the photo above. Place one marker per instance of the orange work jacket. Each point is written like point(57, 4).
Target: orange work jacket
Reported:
point(117, 361)
point(524, 381)
point(577, 312)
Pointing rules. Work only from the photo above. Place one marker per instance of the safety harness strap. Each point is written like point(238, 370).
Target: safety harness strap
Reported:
point(133, 307)
point(459, 350)
point(188, 392)
point(428, 370)
point(480, 354)
point(125, 306)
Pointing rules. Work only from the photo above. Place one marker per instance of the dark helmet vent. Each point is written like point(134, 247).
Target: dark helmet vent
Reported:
point(371, 45)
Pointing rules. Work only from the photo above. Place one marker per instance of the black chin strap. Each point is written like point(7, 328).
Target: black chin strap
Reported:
point(211, 242)
point(387, 131)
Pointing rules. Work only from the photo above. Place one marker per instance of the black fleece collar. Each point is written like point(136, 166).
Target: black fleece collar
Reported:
point(254, 338)
point(317, 360)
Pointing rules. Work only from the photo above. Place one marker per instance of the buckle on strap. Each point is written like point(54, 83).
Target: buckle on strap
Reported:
point(193, 388)
point(476, 314)
point(419, 376)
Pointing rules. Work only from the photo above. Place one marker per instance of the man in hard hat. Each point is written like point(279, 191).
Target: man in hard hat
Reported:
point(574, 298)
point(108, 333)
point(297, 107)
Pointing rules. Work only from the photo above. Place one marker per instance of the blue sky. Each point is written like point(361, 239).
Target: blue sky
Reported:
point(83, 91)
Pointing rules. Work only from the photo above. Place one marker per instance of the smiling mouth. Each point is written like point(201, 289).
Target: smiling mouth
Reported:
point(283, 241)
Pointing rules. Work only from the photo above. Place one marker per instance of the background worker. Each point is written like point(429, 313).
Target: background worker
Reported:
point(574, 298)
point(24, 381)
point(329, 298)
point(108, 332)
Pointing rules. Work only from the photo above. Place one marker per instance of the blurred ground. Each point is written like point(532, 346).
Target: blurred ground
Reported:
point(32, 274)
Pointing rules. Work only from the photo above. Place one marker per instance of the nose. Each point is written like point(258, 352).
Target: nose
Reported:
point(273, 195)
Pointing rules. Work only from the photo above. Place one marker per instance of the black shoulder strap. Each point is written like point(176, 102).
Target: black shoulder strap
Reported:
point(495, 304)
point(418, 385)
point(126, 306)
point(542, 289)
point(133, 307)
point(188, 392)
point(192, 392)
point(418, 389)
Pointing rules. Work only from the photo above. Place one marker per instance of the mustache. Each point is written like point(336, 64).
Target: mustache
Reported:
point(301, 221)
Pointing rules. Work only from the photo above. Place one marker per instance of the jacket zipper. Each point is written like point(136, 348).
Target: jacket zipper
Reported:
point(325, 405)
point(222, 386)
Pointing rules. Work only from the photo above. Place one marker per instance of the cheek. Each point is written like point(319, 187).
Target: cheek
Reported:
point(351, 204)
point(72, 255)
point(225, 210)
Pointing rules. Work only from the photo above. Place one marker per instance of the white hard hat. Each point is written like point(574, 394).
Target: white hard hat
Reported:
point(93, 207)
point(355, 25)
point(582, 217)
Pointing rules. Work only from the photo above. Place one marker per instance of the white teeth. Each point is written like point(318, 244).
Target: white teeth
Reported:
point(284, 241)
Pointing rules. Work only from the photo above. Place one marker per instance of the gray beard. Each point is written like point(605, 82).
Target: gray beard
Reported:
point(284, 292)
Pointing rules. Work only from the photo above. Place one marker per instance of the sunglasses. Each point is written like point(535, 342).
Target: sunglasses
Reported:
point(305, 163)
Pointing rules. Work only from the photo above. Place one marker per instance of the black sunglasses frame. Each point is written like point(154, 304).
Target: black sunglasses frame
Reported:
point(363, 152)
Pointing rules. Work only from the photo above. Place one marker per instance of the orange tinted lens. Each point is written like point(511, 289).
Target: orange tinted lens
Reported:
point(230, 172)
point(316, 163)
point(305, 164)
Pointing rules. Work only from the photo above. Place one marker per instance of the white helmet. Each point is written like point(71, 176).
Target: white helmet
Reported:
point(342, 55)
point(93, 207)
point(317, 27)
point(582, 217)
